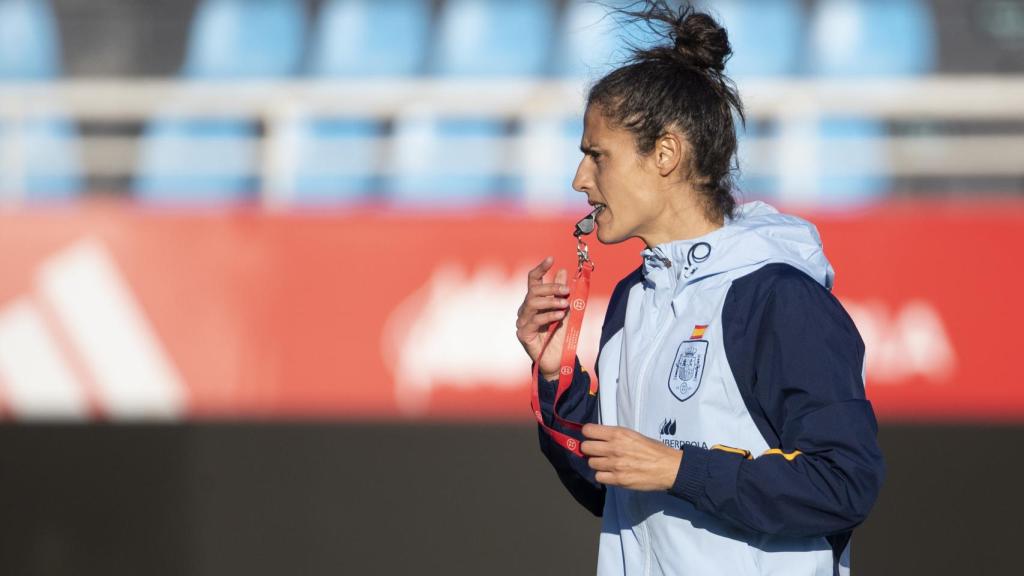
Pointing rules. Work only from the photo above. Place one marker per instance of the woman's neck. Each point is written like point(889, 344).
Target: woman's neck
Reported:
point(682, 221)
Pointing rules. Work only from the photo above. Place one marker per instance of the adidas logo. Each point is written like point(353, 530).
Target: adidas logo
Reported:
point(79, 345)
point(668, 427)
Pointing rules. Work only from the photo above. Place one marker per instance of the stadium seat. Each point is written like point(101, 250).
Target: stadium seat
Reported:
point(455, 161)
point(335, 161)
point(381, 38)
point(38, 156)
point(215, 160)
point(493, 38)
point(550, 153)
point(767, 39)
point(338, 160)
point(202, 161)
point(591, 42)
point(29, 42)
point(766, 35)
point(242, 39)
point(864, 38)
point(872, 38)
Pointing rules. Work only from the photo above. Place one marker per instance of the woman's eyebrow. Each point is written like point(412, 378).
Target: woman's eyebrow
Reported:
point(589, 149)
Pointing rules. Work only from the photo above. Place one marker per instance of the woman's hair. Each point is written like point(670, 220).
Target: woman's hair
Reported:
point(679, 85)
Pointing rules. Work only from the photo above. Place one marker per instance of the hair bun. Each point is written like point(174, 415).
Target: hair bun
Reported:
point(702, 42)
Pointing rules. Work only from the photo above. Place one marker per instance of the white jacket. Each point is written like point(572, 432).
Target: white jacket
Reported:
point(729, 346)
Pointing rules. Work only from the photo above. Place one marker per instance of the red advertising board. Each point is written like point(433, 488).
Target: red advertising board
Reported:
point(114, 311)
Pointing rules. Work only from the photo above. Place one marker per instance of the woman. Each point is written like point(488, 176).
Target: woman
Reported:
point(731, 434)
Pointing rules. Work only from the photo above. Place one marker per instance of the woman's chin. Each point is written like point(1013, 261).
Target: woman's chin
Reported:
point(607, 235)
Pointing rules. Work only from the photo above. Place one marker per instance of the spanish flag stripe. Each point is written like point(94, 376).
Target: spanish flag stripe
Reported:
point(698, 331)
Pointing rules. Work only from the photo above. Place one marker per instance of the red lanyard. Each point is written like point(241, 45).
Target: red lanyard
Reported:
point(579, 292)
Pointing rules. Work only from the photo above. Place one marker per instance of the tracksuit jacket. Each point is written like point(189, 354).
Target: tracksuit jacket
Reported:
point(732, 348)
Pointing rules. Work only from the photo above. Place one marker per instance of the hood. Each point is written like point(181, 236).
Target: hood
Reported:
point(758, 235)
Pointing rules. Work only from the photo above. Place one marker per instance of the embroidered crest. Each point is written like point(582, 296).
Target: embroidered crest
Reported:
point(687, 369)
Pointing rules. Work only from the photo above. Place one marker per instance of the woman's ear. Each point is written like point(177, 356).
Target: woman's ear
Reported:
point(668, 153)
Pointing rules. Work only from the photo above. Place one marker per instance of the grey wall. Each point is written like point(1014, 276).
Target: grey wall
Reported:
point(259, 499)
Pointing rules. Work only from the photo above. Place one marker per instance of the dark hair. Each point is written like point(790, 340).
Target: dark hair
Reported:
point(679, 85)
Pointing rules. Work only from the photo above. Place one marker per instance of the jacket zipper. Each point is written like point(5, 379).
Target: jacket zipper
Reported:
point(638, 414)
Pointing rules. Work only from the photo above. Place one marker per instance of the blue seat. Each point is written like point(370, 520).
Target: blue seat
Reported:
point(872, 38)
point(493, 38)
point(336, 161)
point(767, 40)
point(205, 161)
point(466, 160)
point(766, 35)
point(370, 38)
point(47, 167)
point(593, 40)
point(243, 39)
point(550, 154)
point(29, 43)
point(339, 160)
point(215, 160)
point(864, 38)
point(754, 184)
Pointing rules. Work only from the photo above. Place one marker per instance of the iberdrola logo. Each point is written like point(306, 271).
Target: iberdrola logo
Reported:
point(668, 427)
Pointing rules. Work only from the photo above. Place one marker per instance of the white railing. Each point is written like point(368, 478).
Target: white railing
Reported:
point(791, 153)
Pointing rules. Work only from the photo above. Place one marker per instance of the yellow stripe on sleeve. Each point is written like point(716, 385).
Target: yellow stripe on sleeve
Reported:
point(740, 451)
point(787, 455)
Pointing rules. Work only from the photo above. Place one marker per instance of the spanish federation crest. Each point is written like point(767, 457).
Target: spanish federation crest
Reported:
point(687, 369)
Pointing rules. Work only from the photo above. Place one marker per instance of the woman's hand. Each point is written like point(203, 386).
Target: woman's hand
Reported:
point(623, 457)
point(545, 302)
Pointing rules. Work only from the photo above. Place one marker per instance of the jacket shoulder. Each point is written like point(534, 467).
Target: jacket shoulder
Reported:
point(786, 293)
point(775, 277)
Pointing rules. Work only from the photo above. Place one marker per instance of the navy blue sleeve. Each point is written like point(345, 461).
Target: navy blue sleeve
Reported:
point(797, 359)
point(579, 406)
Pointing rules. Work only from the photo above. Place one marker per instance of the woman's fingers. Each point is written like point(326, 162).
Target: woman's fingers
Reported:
point(547, 318)
point(537, 294)
point(543, 303)
point(561, 276)
point(543, 300)
point(600, 432)
point(595, 448)
point(541, 297)
point(536, 275)
point(624, 457)
point(550, 289)
point(538, 318)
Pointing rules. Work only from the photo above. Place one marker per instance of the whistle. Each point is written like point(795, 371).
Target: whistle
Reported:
point(586, 224)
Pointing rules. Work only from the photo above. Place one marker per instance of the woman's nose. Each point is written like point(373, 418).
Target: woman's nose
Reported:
point(581, 181)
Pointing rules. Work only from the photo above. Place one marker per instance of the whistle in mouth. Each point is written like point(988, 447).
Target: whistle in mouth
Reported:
point(586, 225)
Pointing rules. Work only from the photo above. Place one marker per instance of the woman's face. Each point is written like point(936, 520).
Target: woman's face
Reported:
point(614, 174)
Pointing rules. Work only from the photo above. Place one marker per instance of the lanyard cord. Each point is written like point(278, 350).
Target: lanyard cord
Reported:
point(579, 293)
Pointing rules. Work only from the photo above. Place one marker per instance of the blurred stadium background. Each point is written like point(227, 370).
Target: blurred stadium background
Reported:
point(259, 262)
